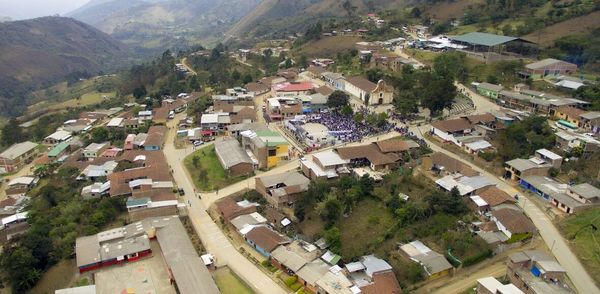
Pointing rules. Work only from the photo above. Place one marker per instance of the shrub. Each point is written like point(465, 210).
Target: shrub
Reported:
point(518, 237)
point(296, 286)
point(487, 156)
point(289, 281)
point(471, 260)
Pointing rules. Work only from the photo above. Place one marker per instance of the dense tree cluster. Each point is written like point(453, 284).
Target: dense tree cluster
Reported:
point(522, 138)
point(57, 216)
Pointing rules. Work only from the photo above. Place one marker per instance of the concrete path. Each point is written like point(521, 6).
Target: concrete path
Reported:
point(549, 233)
point(211, 235)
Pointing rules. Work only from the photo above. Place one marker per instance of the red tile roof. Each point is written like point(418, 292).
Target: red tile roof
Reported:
point(384, 282)
point(293, 87)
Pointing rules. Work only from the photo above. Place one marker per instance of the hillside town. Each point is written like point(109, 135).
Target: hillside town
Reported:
point(316, 179)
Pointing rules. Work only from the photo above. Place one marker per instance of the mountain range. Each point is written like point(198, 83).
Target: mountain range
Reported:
point(154, 25)
point(39, 52)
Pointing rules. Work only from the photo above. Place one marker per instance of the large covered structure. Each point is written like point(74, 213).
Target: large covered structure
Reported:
point(491, 47)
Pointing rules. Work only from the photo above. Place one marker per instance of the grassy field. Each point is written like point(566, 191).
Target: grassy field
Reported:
point(329, 46)
point(208, 174)
point(59, 276)
point(578, 25)
point(585, 242)
point(61, 96)
point(229, 283)
point(365, 229)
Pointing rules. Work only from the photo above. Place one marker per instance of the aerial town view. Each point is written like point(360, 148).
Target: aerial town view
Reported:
point(296, 146)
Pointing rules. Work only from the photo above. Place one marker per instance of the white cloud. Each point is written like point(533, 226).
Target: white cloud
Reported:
point(24, 9)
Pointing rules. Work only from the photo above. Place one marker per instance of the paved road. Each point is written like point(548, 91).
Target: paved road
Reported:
point(549, 233)
point(212, 237)
point(464, 283)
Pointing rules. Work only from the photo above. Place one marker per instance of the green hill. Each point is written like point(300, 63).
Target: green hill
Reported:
point(39, 52)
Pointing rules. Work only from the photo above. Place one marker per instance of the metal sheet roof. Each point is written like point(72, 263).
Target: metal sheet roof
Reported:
point(484, 39)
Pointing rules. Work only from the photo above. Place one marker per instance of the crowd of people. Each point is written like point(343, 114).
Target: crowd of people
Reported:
point(346, 129)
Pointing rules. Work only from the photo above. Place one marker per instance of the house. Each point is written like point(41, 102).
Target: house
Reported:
point(324, 165)
point(490, 285)
point(269, 148)
point(324, 90)
point(17, 155)
point(98, 171)
point(334, 281)
point(567, 140)
point(57, 137)
point(277, 219)
point(247, 220)
point(94, 150)
point(549, 67)
point(264, 240)
point(61, 149)
point(133, 242)
point(290, 89)
point(311, 272)
point(590, 121)
point(111, 152)
point(95, 190)
point(538, 165)
point(116, 122)
point(569, 199)
point(229, 208)
point(291, 257)
point(536, 272)
point(279, 108)
point(449, 130)
point(336, 80)
point(238, 113)
point(373, 275)
point(368, 92)
point(369, 155)
point(495, 198)
point(281, 189)
point(434, 264)
point(513, 222)
point(159, 201)
point(316, 71)
point(570, 114)
point(465, 185)
point(233, 158)
point(258, 88)
point(477, 146)
point(488, 90)
point(156, 138)
point(20, 185)
point(443, 164)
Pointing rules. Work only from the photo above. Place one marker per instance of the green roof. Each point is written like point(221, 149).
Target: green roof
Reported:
point(136, 202)
point(484, 39)
point(60, 147)
point(271, 138)
point(567, 124)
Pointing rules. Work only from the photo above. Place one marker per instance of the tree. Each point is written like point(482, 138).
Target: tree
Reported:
point(374, 75)
point(12, 133)
point(330, 209)
point(267, 53)
point(347, 110)
point(439, 92)
point(247, 79)
point(99, 135)
point(236, 75)
point(333, 237)
point(451, 65)
point(337, 99)
point(139, 92)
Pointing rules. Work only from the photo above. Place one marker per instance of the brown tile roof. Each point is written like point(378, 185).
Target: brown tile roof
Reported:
point(157, 194)
point(489, 227)
point(385, 282)
point(452, 125)
point(324, 90)
point(229, 208)
point(362, 83)
point(156, 136)
point(494, 196)
point(155, 168)
point(316, 70)
point(266, 238)
point(451, 165)
point(370, 152)
point(257, 87)
point(392, 145)
point(571, 111)
point(274, 216)
point(514, 221)
point(481, 118)
point(8, 202)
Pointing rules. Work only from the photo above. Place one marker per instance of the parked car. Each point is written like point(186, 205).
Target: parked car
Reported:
point(198, 143)
point(181, 192)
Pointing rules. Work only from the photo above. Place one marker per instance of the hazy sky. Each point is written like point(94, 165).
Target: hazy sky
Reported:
point(23, 9)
